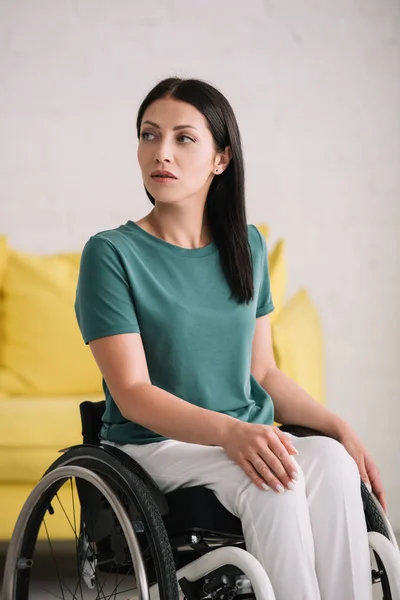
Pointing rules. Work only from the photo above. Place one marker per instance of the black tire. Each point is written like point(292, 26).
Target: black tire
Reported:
point(373, 517)
point(141, 505)
point(21, 556)
point(126, 534)
point(375, 522)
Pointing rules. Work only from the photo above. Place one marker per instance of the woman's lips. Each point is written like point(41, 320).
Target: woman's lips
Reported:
point(163, 179)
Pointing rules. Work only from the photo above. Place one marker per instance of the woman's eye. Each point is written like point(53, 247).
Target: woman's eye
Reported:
point(185, 139)
point(147, 136)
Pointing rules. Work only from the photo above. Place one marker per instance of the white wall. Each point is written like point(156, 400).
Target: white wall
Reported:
point(316, 88)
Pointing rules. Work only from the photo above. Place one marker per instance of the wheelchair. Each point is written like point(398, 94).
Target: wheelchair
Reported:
point(132, 541)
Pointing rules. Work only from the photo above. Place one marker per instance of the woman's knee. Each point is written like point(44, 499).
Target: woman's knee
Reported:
point(335, 460)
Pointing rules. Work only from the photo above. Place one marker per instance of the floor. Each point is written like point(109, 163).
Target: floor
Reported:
point(48, 581)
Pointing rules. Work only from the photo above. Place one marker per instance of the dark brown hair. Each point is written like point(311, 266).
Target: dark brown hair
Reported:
point(225, 204)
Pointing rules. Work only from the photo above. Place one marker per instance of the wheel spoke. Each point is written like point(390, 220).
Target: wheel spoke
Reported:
point(73, 503)
point(80, 568)
point(77, 540)
point(51, 593)
point(114, 592)
point(54, 558)
point(108, 566)
point(100, 588)
point(67, 517)
point(77, 543)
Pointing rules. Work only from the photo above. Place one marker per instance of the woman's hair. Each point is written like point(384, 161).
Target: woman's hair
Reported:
point(225, 204)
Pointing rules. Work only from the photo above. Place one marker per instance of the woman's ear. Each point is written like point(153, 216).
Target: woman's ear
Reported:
point(223, 159)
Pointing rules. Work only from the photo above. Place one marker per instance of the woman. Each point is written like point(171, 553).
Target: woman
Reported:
point(175, 310)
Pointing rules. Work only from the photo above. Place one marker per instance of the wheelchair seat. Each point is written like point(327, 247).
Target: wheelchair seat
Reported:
point(191, 514)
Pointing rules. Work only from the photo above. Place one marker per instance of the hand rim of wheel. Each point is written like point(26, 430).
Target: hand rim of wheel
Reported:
point(48, 480)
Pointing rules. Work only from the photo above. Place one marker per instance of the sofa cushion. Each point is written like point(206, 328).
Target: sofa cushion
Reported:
point(13, 497)
point(277, 272)
point(32, 430)
point(298, 344)
point(3, 257)
point(263, 229)
point(3, 262)
point(278, 277)
point(43, 352)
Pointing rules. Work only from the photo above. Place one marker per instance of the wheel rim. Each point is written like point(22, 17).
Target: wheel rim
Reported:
point(96, 574)
point(143, 512)
point(384, 581)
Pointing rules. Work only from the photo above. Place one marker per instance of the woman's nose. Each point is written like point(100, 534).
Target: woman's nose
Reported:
point(164, 152)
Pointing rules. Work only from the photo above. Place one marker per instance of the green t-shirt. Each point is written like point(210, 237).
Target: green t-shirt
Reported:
point(197, 340)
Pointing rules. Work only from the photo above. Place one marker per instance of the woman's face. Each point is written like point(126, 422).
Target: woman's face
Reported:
point(175, 137)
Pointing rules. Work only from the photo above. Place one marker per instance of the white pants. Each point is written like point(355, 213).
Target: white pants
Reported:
point(311, 541)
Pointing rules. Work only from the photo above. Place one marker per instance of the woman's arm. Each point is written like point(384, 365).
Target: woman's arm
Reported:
point(122, 361)
point(293, 406)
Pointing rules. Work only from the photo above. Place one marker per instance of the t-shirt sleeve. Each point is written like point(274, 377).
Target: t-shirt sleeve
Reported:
point(265, 304)
point(104, 301)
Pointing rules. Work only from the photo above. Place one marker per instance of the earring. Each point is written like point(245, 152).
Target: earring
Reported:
point(217, 170)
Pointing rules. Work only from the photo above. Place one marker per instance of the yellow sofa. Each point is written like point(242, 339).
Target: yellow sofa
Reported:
point(46, 371)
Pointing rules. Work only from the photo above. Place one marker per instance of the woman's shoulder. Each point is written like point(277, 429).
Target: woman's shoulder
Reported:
point(118, 238)
point(113, 236)
point(256, 239)
point(108, 243)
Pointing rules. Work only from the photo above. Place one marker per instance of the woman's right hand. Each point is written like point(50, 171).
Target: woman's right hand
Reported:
point(264, 453)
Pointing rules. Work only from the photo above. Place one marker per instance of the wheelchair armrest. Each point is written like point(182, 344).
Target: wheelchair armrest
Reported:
point(301, 431)
point(133, 466)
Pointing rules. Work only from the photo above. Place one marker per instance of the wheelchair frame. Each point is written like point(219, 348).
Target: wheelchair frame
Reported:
point(381, 538)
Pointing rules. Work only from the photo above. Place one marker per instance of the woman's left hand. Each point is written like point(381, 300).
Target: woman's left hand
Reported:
point(368, 470)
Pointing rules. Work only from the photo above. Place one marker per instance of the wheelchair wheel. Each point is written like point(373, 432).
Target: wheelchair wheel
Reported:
point(385, 552)
point(119, 540)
